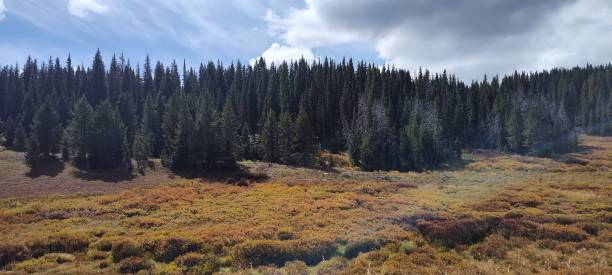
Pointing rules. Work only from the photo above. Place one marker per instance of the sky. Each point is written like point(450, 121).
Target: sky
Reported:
point(468, 38)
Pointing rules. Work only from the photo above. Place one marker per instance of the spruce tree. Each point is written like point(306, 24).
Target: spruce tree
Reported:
point(107, 149)
point(79, 133)
point(46, 130)
point(140, 149)
point(284, 138)
point(268, 138)
point(304, 140)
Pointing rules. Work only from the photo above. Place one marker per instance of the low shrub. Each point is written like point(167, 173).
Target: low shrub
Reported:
point(332, 266)
point(165, 250)
point(133, 265)
point(104, 245)
point(562, 233)
point(588, 244)
point(261, 252)
point(407, 247)
point(13, 252)
point(190, 259)
point(125, 248)
point(510, 227)
point(453, 232)
point(296, 268)
point(353, 249)
point(96, 255)
point(285, 233)
point(590, 227)
point(495, 246)
point(62, 242)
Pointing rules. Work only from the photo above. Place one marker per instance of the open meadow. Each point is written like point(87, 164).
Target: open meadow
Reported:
point(492, 213)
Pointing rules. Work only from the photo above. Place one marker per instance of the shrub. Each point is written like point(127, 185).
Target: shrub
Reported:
point(125, 248)
point(133, 265)
point(332, 266)
point(453, 232)
point(285, 233)
point(588, 244)
point(165, 250)
point(495, 246)
point(189, 259)
point(296, 268)
point(13, 252)
point(563, 233)
point(261, 252)
point(68, 242)
point(407, 247)
point(353, 249)
point(104, 245)
point(96, 255)
point(518, 228)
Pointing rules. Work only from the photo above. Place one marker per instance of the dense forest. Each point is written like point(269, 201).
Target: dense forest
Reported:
point(214, 115)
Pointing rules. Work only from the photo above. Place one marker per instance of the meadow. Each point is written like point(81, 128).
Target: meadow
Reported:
point(491, 213)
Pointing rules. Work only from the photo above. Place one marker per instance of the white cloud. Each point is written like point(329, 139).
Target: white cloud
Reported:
point(82, 8)
point(2, 9)
point(278, 53)
point(466, 37)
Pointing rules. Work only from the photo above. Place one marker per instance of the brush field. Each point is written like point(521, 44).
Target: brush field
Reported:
point(491, 214)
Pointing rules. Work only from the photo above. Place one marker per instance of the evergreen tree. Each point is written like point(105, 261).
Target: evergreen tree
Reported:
point(32, 154)
point(79, 133)
point(96, 91)
point(108, 142)
point(304, 140)
point(515, 131)
point(140, 149)
point(46, 130)
point(268, 138)
point(284, 138)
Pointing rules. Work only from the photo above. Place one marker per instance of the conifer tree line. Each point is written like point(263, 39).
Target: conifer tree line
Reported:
point(103, 117)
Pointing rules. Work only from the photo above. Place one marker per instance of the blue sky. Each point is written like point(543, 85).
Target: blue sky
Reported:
point(466, 37)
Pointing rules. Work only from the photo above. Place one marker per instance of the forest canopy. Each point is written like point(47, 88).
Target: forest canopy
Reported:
point(385, 118)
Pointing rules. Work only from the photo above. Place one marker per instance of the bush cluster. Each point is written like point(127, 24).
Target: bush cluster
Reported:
point(262, 252)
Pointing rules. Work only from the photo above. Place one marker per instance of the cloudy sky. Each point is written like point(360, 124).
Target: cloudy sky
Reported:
point(465, 37)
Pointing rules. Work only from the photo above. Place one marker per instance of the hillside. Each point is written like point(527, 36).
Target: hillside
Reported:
point(491, 213)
